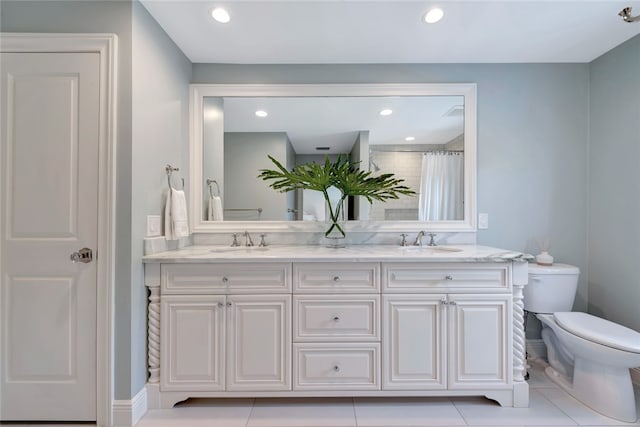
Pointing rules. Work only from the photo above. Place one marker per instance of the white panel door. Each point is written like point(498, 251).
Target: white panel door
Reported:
point(414, 342)
point(259, 342)
point(49, 185)
point(479, 340)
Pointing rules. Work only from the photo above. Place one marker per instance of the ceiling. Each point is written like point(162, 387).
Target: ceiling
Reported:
point(356, 31)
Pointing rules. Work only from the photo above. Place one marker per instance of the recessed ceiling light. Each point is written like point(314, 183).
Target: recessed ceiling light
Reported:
point(386, 112)
point(220, 15)
point(433, 15)
point(410, 138)
point(261, 113)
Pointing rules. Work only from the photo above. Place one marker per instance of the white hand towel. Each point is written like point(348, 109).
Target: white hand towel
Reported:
point(176, 222)
point(215, 208)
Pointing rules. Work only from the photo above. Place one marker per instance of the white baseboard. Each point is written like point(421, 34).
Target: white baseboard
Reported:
point(127, 413)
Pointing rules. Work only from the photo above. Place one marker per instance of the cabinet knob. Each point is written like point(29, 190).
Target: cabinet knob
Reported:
point(336, 278)
point(443, 302)
point(452, 303)
point(448, 277)
point(336, 368)
point(229, 304)
point(336, 318)
point(220, 305)
point(225, 279)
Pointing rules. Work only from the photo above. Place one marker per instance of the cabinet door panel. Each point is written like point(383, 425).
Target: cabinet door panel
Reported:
point(414, 342)
point(192, 343)
point(259, 343)
point(480, 336)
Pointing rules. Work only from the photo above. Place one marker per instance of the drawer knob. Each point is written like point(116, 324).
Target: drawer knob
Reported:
point(448, 277)
point(443, 302)
point(336, 368)
point(336, 278)
point(225, 279)
point(336, 318)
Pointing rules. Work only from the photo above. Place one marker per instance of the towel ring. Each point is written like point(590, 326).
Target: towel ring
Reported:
point(213, 181)
point(170, 170)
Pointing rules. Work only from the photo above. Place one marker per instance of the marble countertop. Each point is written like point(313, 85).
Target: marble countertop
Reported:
point(350, 253)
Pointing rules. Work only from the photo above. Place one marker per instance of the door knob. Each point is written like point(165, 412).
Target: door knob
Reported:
point(84, 255)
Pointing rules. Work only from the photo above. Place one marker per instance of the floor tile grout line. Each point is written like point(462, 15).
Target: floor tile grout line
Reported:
point(453, 402)
point(559, 408)
point(353, 406)
point(253, 404)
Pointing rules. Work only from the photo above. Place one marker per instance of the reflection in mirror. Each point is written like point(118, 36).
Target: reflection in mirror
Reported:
point(420, 140)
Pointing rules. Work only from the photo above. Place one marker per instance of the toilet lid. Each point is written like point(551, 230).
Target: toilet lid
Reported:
point(599, 330)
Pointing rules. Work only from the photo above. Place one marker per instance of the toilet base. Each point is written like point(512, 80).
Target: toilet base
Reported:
point(607, 390)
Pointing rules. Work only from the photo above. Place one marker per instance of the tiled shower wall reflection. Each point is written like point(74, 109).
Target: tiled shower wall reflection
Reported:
point(405, 165)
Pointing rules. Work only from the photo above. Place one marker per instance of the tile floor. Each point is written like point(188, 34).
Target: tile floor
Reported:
point(549, 406)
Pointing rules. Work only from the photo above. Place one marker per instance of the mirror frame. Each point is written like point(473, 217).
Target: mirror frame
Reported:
point(199, 91)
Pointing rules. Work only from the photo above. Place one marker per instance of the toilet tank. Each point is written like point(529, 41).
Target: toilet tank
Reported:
point(551, 288)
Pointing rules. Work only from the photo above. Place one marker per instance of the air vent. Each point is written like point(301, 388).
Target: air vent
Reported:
point(323, 148)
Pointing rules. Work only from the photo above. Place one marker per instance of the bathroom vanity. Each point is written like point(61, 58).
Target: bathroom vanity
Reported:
point(365, 320)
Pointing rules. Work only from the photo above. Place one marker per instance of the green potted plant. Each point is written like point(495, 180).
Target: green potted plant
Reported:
point(342, 174)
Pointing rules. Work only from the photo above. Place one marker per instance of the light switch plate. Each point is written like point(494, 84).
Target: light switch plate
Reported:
point(153, 225)
point(483, 221)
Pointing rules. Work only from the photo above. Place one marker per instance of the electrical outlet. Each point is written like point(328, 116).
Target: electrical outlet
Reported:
point(153, 225)
point(483, 221)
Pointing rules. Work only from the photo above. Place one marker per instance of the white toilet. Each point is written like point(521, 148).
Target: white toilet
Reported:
point(590, 357)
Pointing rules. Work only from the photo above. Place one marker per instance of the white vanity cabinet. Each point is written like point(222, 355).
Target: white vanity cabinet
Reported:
point(440, 336)
point(225, 327)
point(365, 326)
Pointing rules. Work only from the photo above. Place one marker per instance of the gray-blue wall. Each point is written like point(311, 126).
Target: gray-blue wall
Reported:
point(614, 185)
point(160, 116)
point(532, 142)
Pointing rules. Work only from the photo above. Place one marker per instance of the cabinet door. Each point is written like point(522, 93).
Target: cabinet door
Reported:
point(479, 340)
point(192, 343)
point(259, 342)
point(414, 342)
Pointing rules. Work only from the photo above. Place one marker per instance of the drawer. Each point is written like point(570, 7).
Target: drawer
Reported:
point(336, 366)
point(236, 278)
point(336, 317)
point(336, 277)
point(417, 278)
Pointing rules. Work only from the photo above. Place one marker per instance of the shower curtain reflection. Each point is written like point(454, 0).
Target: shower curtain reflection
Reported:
point(441, 186)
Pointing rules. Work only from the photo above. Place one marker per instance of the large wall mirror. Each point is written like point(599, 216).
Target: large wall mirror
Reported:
point(422, 133)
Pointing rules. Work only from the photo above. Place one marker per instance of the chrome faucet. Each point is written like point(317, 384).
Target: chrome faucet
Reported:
point(421, 234)
point(248, 241)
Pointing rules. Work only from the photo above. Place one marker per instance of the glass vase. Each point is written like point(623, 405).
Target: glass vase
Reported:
point(335, 222)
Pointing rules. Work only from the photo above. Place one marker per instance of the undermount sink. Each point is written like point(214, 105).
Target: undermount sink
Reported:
point(430, 249)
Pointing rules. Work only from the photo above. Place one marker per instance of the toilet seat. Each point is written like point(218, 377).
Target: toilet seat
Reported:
point(599, 330)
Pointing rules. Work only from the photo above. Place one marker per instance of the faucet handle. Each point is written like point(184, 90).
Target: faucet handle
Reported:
point(404, 239)
point(431, 241)
point(262, 243)
point(235, 240)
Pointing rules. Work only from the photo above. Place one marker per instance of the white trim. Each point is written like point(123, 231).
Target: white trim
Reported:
point(127, 413)
point(199, 91)
point(107, 46)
